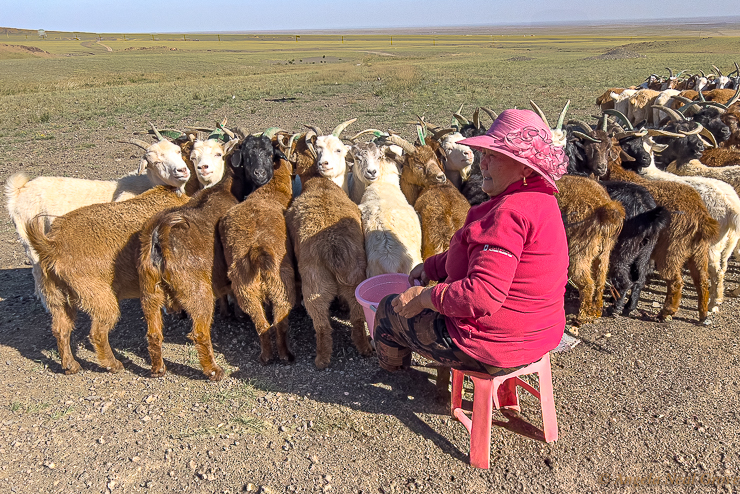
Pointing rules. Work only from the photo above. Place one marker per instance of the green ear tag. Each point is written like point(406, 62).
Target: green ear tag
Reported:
point(421, 133)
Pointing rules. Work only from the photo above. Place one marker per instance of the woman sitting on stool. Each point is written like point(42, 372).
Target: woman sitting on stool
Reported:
point(499, 303)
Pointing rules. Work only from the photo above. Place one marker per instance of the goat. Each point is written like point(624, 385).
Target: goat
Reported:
point(181, 263)
point(391, 225)
point(51, 197)
point(325, 228)
point(88, 261)
point(259, 256)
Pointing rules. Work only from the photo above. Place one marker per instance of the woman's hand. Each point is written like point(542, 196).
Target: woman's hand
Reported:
point(413, 301)
point(418, 275)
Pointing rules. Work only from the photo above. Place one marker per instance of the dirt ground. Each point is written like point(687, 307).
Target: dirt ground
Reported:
point(642, 406)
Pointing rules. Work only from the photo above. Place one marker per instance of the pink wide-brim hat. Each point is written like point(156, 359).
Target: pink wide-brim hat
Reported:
point(523, 136)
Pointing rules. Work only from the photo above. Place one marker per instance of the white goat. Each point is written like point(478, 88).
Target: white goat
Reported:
point(208, 159)
point(51, 197)
point(331, 154)
point(391, 225)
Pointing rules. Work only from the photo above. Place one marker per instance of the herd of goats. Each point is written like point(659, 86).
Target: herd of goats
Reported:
point(273, 219)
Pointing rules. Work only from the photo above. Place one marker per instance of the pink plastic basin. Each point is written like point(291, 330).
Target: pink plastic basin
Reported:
point(370, 292)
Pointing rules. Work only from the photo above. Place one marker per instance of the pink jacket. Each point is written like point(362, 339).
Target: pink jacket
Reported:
point(502, 281)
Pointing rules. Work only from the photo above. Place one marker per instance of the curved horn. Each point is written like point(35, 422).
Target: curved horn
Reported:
point(156, 132)
point(585, 136)
point(675, 116)
point(400, 141)
point(461, 119)
point(317, 130)
point(581, 124)
point(735, 98)
point(309, 138)
point(375, 132)
point(663, 133)
point(696, 130)
point(719, 72)
point(271, 131)
point(618, 114)
point(490, 112)
point(670, 73)
point(683, 99)
point(602, 123)
point(708, 134)
point(339, 128)
point(539, 112)
point(441, 133)
point(137, 142)
point(561, 118)
point(476, 118)
point(719, 106)
point(228, 132)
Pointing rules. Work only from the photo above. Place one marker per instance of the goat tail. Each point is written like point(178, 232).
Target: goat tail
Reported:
point(708, 229)
point(43, 245)
point(154, 245)
point(647, 224)
point(346, 259)
point(611, 217)
point(258, 260)
point(13, 189)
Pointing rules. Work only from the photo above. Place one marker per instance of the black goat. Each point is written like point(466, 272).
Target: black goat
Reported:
point(629, 262)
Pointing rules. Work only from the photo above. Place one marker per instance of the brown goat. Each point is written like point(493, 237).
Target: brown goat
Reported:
point(718, 157)
point(182, 264)
point(441, 207)
point(259, 256)
point(325, 228)
point(88, 261)
point(685, 241)
point(592, 222)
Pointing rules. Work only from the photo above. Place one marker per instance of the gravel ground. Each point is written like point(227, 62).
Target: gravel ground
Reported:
point(642, 406)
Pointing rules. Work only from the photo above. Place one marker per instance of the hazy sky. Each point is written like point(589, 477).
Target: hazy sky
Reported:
point(101, 16)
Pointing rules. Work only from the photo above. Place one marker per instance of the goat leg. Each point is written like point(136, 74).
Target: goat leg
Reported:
point(62, 324)
point(201, 337)
point(700, 276)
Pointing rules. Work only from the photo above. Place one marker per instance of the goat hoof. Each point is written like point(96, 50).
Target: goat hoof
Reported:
point(73, 369)
point(321, 364)
point(707, 322)
point(159, 372)
point(289, 357)
point(116, 367)
point(665, 318)
point(216, 374)
point(265, 359)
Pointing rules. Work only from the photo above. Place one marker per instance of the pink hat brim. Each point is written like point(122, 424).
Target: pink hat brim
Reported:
point(487, 142)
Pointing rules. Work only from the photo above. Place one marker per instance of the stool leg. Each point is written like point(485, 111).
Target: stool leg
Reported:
point(457, 389)
point(547, 402)
point(480, 434)
point(506, 395)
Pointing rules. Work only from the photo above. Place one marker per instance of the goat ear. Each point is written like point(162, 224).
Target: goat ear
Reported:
point(278, 154)
point(236, 160)
point(142, 166)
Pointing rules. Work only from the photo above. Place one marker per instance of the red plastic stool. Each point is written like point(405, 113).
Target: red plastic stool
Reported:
point(501, 392)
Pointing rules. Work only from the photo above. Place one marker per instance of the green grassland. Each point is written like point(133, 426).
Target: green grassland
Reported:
point(382, 81)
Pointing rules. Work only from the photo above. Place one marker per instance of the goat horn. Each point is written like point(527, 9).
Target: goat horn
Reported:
point(490, 112)
point(708, 134)
point(683, 99)
point(716, 69)
point(663, 133)
point(441, 133)
point(581, 124)
point(701, 96)
point(602, 123)
point(675, 116)
point(618, 114)
point(271, 131)
point(633, 133)
point(540, 113)
point(339, 128)
point(242, 132)
point(421, 132)
point(461, 119)
point(308, 137)
point(722, 108)
point(156, 132)
point(679, 74)
point(459, 110)
point(137, 142)
point(400, 141)
point(702, 73)
point(317, 130)
point(735, 98)
point(585, 136)
point(670, 73)
point(696, 130)
point(375, 132)
point(476, 118)
point(228, 132)
point(561, 118)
